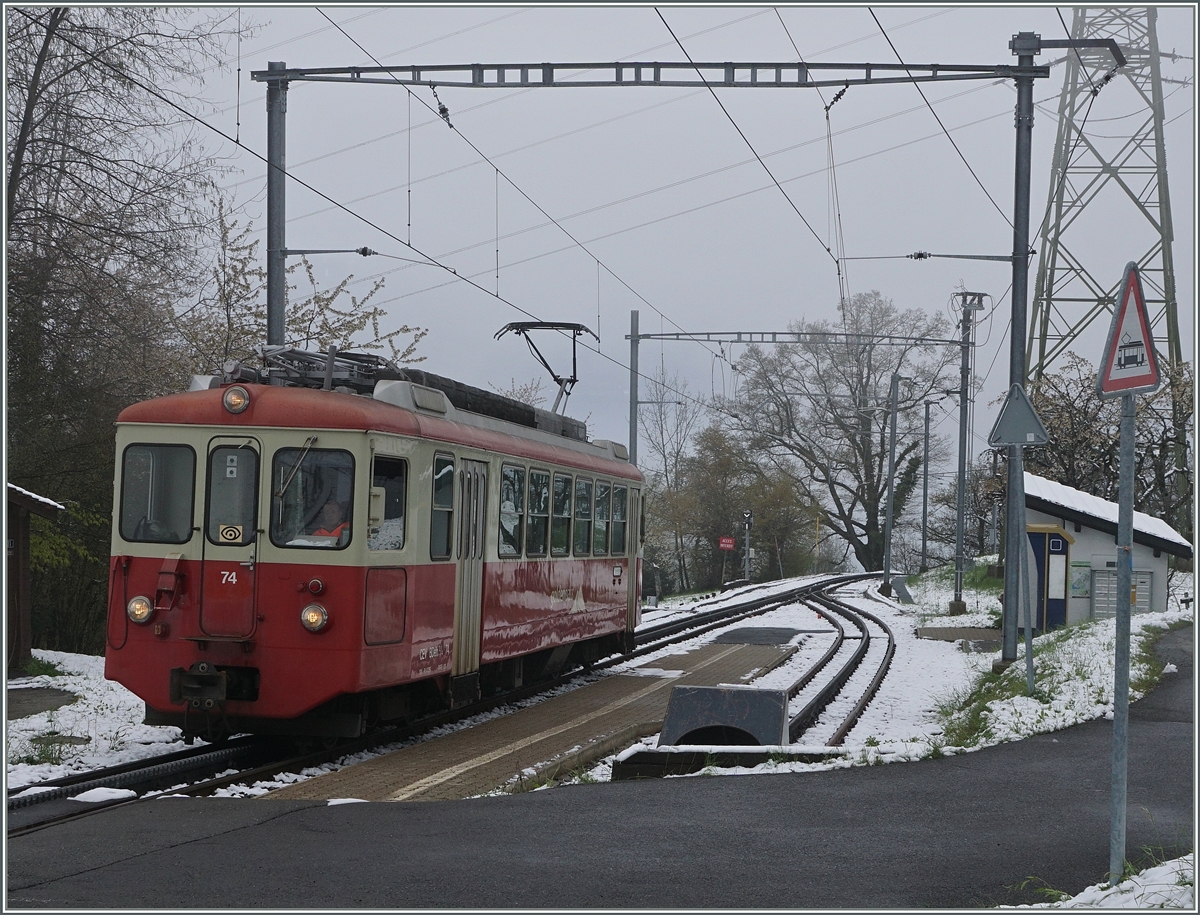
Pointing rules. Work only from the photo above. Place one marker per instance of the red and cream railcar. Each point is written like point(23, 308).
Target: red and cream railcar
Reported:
point(292, 560)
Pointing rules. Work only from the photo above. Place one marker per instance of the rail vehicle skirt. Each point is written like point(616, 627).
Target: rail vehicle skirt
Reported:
point(215, 720)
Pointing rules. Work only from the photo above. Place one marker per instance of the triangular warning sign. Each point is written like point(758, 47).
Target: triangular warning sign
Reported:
point(1018, 422)
point(1129, 365)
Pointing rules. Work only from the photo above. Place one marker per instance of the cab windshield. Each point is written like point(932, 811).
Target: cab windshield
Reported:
point(312, 493)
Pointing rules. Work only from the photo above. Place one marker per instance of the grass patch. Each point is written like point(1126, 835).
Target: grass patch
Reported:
point(977, 579)
point(962, 713)
point(39, 668)
point(1148, 667)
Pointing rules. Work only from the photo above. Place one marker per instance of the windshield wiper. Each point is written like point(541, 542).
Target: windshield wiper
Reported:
point(312, 440)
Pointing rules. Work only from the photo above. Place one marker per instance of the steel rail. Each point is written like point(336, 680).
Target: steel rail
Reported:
point(839, 736)
point(807, 716)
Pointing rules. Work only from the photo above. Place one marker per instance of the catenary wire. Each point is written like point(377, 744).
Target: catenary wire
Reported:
point(529, 199)
point(766, 168)
point(1003, 215)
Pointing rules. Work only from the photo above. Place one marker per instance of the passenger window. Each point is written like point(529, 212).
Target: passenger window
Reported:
point(390, 475)
point(441, 530)
point(232, 512)
point(600, 531)
point(512, 509)
point(312, 494)
point(560, 523)
point(583, 517)
point(620, 497)
point(539, 513)
point(157, 493)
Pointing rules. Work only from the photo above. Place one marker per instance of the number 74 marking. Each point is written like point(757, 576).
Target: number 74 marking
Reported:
point(229, 578)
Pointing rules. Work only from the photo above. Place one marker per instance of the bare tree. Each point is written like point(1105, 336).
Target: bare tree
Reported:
point(821, 408)
point(667, 422)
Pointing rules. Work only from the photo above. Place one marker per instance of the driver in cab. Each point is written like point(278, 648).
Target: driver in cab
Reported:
point(331, 521)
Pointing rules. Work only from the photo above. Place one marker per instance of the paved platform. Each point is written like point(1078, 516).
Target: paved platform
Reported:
point(952, 833)
point(21, 703)
point(543, 741)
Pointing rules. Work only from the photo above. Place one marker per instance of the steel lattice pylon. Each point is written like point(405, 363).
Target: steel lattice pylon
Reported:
point(1076, 284)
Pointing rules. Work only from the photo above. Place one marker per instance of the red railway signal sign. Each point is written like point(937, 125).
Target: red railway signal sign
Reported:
point(1129, 365)
point(726, 543)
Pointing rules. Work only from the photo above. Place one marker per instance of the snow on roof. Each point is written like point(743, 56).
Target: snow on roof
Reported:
point(37, 498)
point(1095, 507)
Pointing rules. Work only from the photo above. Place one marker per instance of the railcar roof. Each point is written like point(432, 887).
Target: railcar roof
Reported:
point(306, 408)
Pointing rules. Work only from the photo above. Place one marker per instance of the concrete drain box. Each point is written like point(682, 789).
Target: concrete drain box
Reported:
point(725, 715)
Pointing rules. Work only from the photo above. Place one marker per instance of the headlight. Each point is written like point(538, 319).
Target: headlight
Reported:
point(236, 399)
point(140, 609)
point(313, 617)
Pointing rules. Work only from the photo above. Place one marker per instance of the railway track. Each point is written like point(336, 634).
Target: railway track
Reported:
point(824, 703)
point(203, 770)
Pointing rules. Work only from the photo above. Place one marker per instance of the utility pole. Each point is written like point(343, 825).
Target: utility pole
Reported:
point(633, 386)
point(276, 189)
point(1025, 45)
point(925, 497)
point(886, 588)
point(971, 302)
point(748, 518)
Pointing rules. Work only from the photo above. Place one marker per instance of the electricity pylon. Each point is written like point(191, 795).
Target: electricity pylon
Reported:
point(1118, 169)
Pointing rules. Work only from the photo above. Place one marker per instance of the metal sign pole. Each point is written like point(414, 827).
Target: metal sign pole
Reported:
point(1120, 744)
point(1128, 367)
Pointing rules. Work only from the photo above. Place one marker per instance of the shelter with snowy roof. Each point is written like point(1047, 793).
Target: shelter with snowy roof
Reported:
point(1074, 539)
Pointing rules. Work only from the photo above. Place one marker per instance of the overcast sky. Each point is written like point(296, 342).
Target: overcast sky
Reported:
point(678, 218)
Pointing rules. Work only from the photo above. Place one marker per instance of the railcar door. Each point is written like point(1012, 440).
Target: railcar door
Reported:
point(230, 538)
point(468, 607)
point(634, 547)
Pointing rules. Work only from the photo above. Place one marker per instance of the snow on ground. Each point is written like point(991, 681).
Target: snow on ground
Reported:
point(1166, 886)
point(103, 728)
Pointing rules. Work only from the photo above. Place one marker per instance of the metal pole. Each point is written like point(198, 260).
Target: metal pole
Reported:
point(746, 557)
point(1120, 741)
point(633, 387)
point(276, 176)
point(925, 497)
point(958, 605)
point(1024, 45)
point(886, 588)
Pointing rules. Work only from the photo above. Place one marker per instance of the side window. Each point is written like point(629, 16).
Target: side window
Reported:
point(620, 499)
point(600, 532)
point(539, 513)
point(232, 512)
point(512, 509)
point(312, 494)
point(158, 488)
point(583, 517)
point(441, 529)
point(560, 522)
point(390, 475)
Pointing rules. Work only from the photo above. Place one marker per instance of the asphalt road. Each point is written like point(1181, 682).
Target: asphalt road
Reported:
point(957, 832)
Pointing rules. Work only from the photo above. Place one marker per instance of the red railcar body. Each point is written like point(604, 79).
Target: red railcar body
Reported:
point(472, 553)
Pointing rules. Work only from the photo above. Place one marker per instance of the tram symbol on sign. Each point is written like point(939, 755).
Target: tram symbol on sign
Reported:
point(1131, 353)
point(230, 533)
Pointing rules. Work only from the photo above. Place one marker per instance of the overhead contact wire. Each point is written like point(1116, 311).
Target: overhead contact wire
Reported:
point(939, 120)
point(519, 190)
point(745, 139)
